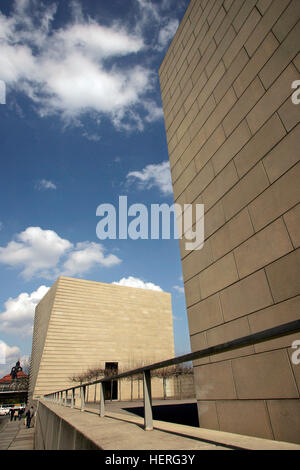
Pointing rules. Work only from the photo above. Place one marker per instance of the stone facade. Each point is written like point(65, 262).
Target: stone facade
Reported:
point(84, 324)
point(233, 135)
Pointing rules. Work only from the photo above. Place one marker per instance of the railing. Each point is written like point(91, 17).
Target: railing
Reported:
point(61, 396)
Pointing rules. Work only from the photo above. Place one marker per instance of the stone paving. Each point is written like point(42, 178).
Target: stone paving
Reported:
point(15, 436)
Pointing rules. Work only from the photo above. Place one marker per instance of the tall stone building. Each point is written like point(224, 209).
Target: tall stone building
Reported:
point(233, 139)
point(84, 324)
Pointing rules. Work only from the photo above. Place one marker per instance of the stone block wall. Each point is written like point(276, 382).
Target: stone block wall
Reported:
point(233, 137)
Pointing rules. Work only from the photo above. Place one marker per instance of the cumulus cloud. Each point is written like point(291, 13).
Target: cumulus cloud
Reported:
point(18, 315)
point(86, 256)
point(135, 282)
point(35, 250)
point(77, 69)
point(44, 254)
point(8, 353)
point(45, 184)
point(154, 175)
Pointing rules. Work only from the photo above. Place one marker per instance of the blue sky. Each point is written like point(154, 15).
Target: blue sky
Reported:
point(82, 125)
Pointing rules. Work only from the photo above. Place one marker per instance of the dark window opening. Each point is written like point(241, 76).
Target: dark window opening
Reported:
point(111, 388)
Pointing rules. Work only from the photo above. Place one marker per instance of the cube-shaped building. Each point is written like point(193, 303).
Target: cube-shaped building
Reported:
point(82, 324)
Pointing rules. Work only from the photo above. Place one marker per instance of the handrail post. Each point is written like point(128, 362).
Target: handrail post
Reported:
point(73, 398)
point(102, 402)
point(83, 390)
point(148, 416)
point(66, 397)
point(61, 401)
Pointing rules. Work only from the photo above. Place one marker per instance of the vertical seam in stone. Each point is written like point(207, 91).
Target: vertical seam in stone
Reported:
point(292, 370)
point(269, 418)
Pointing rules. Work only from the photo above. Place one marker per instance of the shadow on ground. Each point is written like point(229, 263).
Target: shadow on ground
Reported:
point(185, 413)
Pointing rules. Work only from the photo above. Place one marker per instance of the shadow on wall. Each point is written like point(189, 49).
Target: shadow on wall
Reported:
point(186, 413)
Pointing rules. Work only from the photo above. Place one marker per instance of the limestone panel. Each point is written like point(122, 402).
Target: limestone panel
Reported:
point(284, 415)
point(214, 381)
point(277, 199)
point(248, 417)
point(205, 314)
point(264, 375)
point(218, 276)
point(283, 276)
point(238, 300)
point(264, 247)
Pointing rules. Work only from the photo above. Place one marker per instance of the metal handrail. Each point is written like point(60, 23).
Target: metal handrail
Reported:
point(255, 338)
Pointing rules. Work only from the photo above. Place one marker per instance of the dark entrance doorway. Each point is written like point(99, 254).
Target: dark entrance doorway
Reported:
point(111, 388)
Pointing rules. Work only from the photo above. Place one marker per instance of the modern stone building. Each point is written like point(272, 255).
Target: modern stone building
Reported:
point(84, 324)
point(233, 139)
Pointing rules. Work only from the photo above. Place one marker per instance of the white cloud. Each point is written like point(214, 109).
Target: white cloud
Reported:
point(91, 137)
point(154, 111)
point(36, 251)
point(45, 184)
point(44, 254)
point(8, 353)
point(159, 19)
point(155, 175)
point(100, 41)
point(18, 315)
point(75, 70)
point(79, 68)
point(135, 282)
point(87, 256)
point(167, 32)
point(179, 289)
point(149, 14)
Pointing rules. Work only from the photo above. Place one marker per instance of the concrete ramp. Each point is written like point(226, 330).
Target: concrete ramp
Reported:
point(63, 428)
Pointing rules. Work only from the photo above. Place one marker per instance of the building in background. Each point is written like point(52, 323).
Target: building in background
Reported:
point(14, 387)
point(81, 325)
point(233, 137)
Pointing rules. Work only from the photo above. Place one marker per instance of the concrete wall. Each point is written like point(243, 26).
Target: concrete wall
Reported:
point(233, 136)
point(82, 324)
point(52, 432)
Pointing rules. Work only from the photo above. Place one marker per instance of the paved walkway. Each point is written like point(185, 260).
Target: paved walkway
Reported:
point(125, 431)
point(15, 436)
